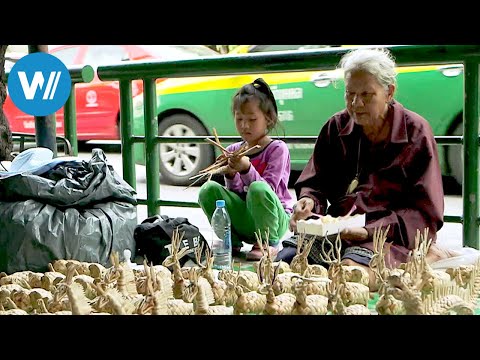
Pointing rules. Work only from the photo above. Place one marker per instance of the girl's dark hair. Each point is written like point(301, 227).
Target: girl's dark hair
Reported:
point(259, 90)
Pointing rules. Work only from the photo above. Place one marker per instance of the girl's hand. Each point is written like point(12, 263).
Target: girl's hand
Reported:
point(302, 210)
point(229, 172)
point(240, 164)
point(354, 234)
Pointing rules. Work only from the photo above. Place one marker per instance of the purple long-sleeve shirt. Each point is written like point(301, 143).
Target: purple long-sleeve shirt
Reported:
point(271, 165)
point(400, 182)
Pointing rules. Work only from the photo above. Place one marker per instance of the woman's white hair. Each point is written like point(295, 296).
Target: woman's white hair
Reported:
point(377, 62)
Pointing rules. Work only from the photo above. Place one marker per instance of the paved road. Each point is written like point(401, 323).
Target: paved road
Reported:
point(450, 235)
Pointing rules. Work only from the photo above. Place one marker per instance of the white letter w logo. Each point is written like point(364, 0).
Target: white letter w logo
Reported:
point(30, 90)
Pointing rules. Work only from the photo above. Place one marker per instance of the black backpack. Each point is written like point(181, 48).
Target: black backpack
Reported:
point(155, 232)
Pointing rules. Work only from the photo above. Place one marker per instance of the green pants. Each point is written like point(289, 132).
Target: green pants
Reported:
point(261, 210)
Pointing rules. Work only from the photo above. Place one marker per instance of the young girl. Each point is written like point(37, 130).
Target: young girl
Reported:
point(256, 194)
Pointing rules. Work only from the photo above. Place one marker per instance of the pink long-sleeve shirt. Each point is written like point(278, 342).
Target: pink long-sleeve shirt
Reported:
point(271, 165)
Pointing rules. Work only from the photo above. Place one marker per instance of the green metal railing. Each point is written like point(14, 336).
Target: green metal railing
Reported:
point(469, 55)
point(78, 74)
point(25, 138)
point(83, 74)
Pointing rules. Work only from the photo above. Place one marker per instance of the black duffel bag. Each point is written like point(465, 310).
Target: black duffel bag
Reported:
point(154, 234)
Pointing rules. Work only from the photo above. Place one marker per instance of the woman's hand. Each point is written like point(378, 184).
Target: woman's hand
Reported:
point(354, 234)
point(239, 163)
point(302, 210)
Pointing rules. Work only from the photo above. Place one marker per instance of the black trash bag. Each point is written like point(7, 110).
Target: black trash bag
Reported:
point(155, 233)
point(80, 210)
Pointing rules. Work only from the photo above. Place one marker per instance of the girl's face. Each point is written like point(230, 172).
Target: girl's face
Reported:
point(251, 122)
point(366, 99)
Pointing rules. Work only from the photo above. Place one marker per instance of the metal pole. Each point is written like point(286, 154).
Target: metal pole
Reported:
point(126, 133)
point(70, 110)
point(45, 126)
point(470, 155)
point(152, 156)
point(70, 120)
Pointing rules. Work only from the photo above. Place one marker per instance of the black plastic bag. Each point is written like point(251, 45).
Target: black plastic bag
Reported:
point(80, 210)
point(155, 233)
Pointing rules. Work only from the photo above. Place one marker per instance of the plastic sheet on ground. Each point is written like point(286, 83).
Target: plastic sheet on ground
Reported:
point(467, 256)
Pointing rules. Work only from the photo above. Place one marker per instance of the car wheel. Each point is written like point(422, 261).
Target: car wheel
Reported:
point(179, 162)
point(454, 156)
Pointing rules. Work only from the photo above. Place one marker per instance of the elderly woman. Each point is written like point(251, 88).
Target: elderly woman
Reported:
point(378, 156)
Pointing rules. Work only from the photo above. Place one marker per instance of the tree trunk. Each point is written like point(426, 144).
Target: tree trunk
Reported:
point(222, 49)
point(6, 144)
point(213, 47)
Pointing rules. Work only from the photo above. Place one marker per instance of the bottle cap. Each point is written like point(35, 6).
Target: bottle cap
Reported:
point(127, 254)
point(220, 203)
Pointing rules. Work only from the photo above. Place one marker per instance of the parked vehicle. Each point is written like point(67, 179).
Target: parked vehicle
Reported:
point(97, 103)
point(305, 100)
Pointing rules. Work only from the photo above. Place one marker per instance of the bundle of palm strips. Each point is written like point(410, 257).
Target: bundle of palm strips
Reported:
point(221, 163)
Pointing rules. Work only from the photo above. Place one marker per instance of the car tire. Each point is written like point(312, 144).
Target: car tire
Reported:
point(179, 162)
point(454, 156)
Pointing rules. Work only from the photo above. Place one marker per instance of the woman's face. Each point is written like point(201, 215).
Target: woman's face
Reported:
point(366, 99)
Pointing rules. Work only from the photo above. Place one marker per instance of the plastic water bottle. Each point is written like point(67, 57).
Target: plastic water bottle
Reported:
point(222, 241)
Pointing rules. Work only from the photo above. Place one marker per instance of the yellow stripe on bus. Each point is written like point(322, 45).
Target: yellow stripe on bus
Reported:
point(210, 83)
